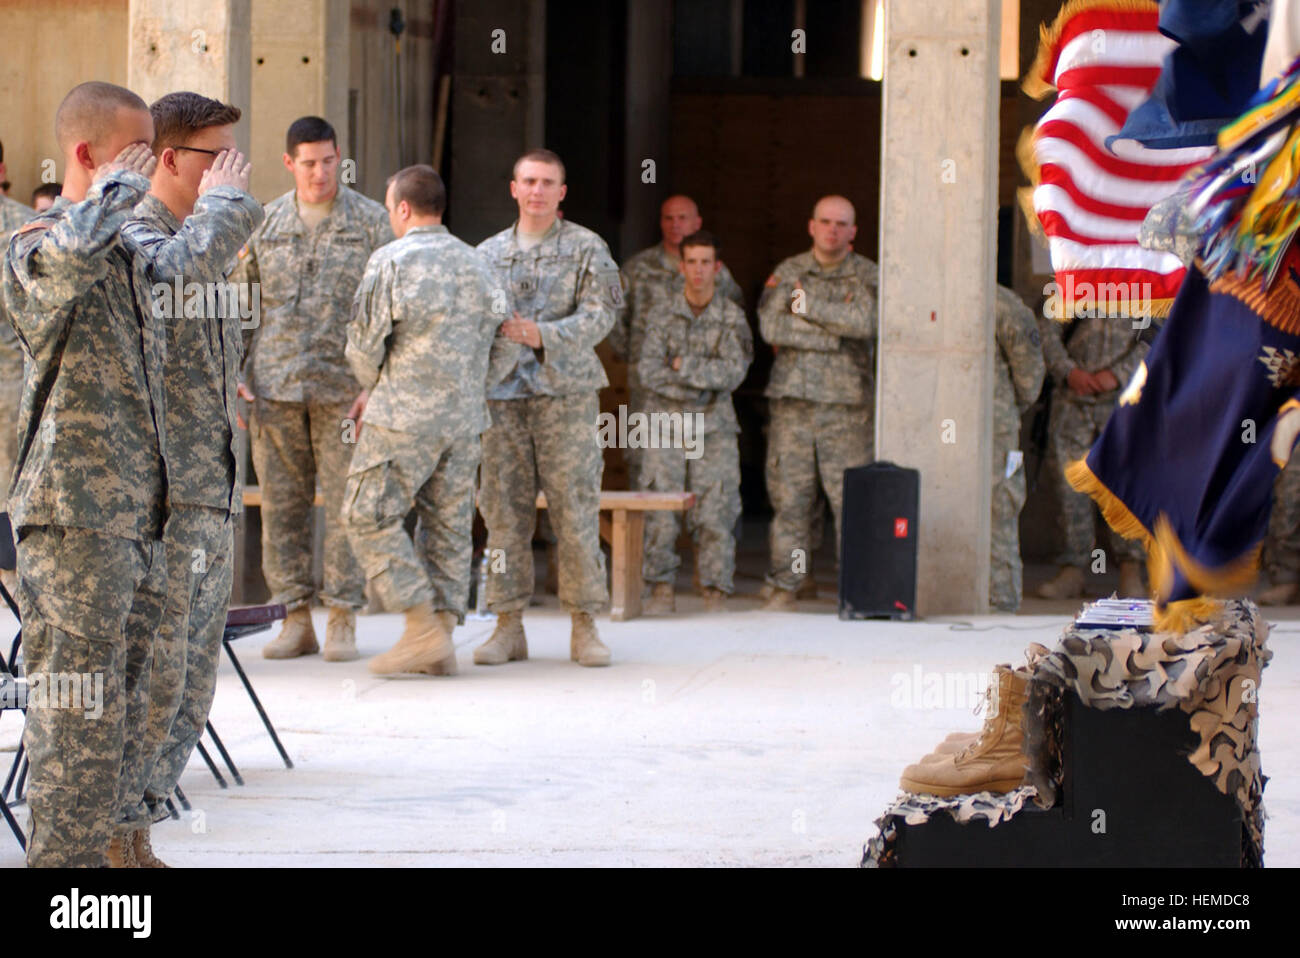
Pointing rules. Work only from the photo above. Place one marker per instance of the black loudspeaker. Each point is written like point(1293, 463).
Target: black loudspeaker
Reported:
point(878, 542)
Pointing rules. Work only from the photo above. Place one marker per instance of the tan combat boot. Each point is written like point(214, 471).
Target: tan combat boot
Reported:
point(585, 646)
point(662, 601)
point(1130, 581)
point(1068, 584)
point(143, 850)
point(1284, 593)
point(953, 744)
point(780, 600)
point(340, 636)
point(297, 637)
point(507, 644)
point(807, 588)
point(424, 646)
point(995, 762)
point(715, 600)
point(121, 852)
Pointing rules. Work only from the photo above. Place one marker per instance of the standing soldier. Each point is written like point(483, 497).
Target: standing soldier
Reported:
point(559, 289)
point(1018, 371)
point(88, 496)
point(1101, 356)
point(818, 312)
point(308, 256)
point(696, 350)
point(651, 273)
point(12, 215)
point(419, 340)
point(197, 215)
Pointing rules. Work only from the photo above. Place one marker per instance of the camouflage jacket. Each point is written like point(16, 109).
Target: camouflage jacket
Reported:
point(91, 434)
point(825, 339)
point(1097, 343)
point(187, 262)
point(650, 274)
point(307, 282)
point(1018, 366)
point(421, 331)
point(716, 349)
point(568, 284)
point(12, 215)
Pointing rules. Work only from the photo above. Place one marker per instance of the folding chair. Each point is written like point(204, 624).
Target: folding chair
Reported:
point(12, 686)
point(241, 622)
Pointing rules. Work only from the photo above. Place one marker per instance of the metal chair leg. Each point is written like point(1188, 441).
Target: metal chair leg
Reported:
point(13, 773)
point(171, 808)
point(212, 766)
point(180, 797)
point(216, 739)
point(13, 825)
point(257, 704)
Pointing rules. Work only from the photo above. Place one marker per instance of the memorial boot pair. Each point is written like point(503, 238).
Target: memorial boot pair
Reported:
point(424, 646)
point(994, 761)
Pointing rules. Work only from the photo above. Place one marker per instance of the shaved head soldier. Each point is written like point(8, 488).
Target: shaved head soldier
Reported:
point(818, 312)
point(653, 273)
point(87, 499)
point(559, 289)
point(196, 217)
point(308, 256)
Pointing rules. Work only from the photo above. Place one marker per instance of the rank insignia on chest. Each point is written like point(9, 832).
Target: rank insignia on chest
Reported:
point(309, 267)
point(526, 286)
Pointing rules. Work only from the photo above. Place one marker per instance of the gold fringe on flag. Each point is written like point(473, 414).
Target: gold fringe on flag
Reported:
point(1164, 551)
point(1036, 82)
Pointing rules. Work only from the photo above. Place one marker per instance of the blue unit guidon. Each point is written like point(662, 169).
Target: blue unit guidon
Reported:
point(1187, 461)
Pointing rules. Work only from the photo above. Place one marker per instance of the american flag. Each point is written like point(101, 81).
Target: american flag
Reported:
point(1103, 57)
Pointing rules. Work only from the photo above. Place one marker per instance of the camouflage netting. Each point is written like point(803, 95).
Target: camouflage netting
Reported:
point(1212, 673)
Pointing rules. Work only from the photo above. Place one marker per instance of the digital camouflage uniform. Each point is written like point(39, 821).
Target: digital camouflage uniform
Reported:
point(716, 348)
point(204, 352)
point(419, 339)
point(12, 215)
point(295, 367)
point(87, 504)
point(544, 408)
point(649, 275)
point(821, 393)
point(1018, 372)
point(1076, 421)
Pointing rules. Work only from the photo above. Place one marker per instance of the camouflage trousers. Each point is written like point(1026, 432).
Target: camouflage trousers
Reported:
point(200, 544)
point(11, 394)
point(90, 605)
point(1282, 544)
point(1009, 493)
point(809, 444)
point(296, 446)
point(393, 472)
point(715, 479)
point(548, 441)
point(637, 401)
point(1072, 429)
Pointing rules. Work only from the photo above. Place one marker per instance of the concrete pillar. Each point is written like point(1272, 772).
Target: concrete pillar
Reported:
point(195, 45)
point(647, 120)
point(300, 68)
point(498, 108)
point(938, 231)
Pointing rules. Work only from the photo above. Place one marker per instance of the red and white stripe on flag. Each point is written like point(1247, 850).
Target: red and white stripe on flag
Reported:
point(1103, 57)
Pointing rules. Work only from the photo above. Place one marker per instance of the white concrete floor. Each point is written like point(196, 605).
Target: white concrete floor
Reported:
point(738, 738)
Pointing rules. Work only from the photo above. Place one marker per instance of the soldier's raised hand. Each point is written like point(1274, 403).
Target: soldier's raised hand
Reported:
point(228, 169)
point(136, 158)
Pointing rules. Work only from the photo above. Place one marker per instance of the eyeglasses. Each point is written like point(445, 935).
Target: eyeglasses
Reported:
point(195, 149)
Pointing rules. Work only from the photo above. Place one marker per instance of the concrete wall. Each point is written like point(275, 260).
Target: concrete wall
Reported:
point(46, 48)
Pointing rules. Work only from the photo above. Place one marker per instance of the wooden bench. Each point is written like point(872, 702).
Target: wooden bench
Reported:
point(623, 529)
